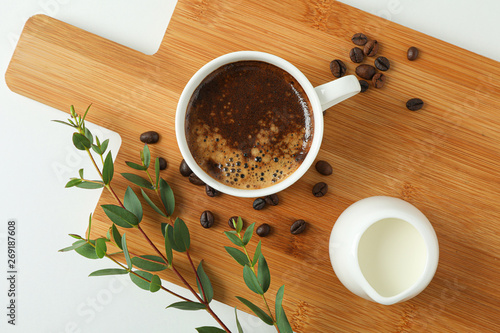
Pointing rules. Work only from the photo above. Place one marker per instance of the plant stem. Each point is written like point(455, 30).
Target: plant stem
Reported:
point(263, 296)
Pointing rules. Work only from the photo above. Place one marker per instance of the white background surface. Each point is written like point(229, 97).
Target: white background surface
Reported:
point(37, 158)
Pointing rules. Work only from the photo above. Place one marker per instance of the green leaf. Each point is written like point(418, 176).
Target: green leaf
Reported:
point(108, 169)
point(146, 155)
point(208, 291)
point(90, 185)
point(167, 197)
point(97, 149)
point(75, 245)
point(109, 271)
point(132, 203)
point(87, 250)
point(155, 284)
point(281, 319)
point(237, 255)
point(75, 235)
point(72, 111)
point(90, 226)
point(251, 280)
point(233, 238)
point(247, 236)
point(89, 136)
point(181, 235)
point(257, 253)
point(138, 180)
point(80, 172)
point(192, 306)
point(152, 204)
point(209, 329)
point(120, 216)
point(86, 111)
point(100, 247)
point(169, 232)
point(116, 236)
point(136, 166)
point(125, 252)
point(240, 329)
point(255, 309)
point(141, 283)
point(239, 225)
point(104, 146)
point(157, 171)
point(149, 263)
point(168, 247)
point(63, 122)
point(73, 182)
point(263, 274)
point(80, 141)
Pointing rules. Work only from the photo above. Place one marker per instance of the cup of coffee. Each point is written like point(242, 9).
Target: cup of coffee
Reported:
point(250, 124)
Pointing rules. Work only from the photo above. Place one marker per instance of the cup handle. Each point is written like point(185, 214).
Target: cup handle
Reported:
point(336, 91)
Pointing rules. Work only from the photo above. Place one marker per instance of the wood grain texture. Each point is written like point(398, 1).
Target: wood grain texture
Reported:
point(443, 159)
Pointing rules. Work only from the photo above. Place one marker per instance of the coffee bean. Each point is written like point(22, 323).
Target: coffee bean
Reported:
point(320, 189)
point(207, 219)
point(211, 192)
point(359, 39)
point(195, 180)
point(324, 168)
point(356, 54)
point(298, 227)
point(338, 68)
point(272, 200)
point(378, 80)
point(235, 218)
point(414, 104)
point(382, 63)
point(263, 230)
point(366, 71)
point(259, 203)
point(364, 85)
point(150, 137)
point(371, 48)
point(412, 53)
point(184, 169)
point(163, 163)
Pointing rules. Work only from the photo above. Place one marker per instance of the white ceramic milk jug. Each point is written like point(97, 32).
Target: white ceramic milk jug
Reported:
point(384, 249)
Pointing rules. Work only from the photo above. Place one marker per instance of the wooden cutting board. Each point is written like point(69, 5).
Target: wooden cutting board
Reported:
point(443, 159)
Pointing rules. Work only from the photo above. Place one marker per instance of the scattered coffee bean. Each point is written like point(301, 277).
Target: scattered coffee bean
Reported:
point(414, 104)
point(195, 180)
point(364, 85)
point(272, 200)
point(356, 54)
point(412, 53)
point(263, 230)
point(298, 227)
point(211, 192)
point(371, 48)
point(163, 163)
point(259, 203)
point(150, 137)
point(320, 189)
point(382, 63)
point(235, 218)
point(184, 169)
point(359, 39)
point(366, 71)
point(324, 168)
point(338, 68)
point(207, 219)
point(378, 80)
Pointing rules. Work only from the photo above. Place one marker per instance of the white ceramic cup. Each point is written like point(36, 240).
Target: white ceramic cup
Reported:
point(321, 98)
point(404, 251)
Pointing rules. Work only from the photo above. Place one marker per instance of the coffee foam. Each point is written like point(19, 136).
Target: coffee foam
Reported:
point(264, 165)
